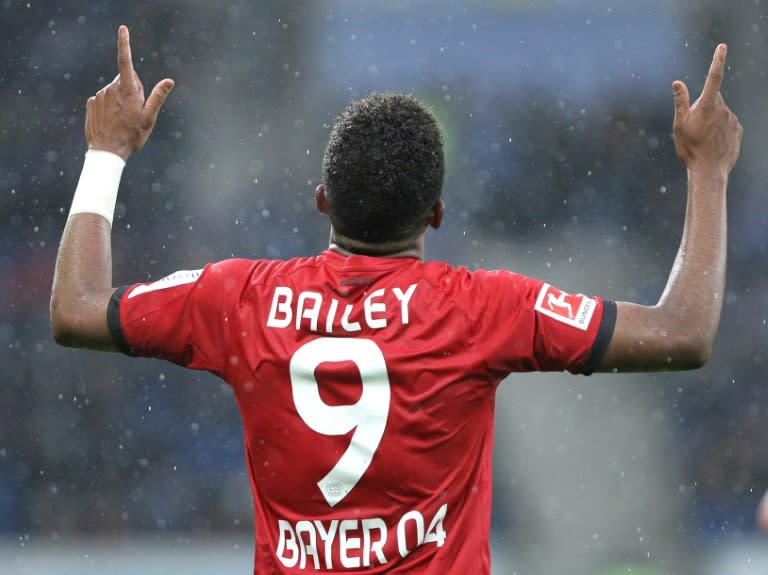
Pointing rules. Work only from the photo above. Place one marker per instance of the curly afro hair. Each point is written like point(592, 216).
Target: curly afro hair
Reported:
point(383, 168)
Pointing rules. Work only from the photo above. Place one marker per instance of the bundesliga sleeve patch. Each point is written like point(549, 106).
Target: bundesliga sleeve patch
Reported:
point(575, 310)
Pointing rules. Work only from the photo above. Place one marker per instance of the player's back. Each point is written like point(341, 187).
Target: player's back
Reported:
point(366, 387)
point(368, 423)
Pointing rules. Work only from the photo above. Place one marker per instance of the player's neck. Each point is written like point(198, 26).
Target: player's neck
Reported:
point(412, 248)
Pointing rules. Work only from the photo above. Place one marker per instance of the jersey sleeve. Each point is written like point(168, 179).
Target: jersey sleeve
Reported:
point(183, 318)
point(524, 324)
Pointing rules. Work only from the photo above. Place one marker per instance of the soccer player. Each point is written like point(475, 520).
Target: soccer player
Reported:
point(366, 376)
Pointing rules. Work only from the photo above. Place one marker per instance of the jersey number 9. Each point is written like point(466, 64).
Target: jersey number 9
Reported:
point(368, 417)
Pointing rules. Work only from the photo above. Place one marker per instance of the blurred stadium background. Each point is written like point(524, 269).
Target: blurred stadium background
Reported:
point(557, 115)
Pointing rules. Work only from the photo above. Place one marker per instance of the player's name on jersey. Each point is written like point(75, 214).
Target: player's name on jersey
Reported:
point(315, 311)
point(353, 543)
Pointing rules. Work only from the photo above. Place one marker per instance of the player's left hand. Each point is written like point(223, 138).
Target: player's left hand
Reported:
point(118, 118)
point(707, 133)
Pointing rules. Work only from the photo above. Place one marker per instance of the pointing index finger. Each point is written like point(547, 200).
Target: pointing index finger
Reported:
point(124, 61)
point(715, 76)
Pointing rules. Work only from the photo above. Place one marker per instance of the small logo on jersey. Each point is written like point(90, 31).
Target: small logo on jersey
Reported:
point(334, 489)
point(352, 284)
point(356, 282)
point(575, 310)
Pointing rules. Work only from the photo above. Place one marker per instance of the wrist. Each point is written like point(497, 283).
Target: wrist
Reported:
point(708, 169)
point(96, 191)
point(708, 173)
point(116, 150)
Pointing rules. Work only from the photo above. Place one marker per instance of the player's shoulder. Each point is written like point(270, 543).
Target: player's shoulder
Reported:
point(259, 269)
point(449, 277)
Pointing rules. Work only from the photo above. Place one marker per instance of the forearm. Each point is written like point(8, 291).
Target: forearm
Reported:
point(678, 332)
point(82, 283)
point(693, 297)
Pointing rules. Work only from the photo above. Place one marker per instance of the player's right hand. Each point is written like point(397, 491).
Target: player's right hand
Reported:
point(118, 118)
point(707, 133)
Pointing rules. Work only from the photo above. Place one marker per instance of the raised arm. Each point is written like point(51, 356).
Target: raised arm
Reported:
point(118, 122)
point(678, 332)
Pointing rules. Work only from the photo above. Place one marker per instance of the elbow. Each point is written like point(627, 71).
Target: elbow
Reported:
point(694, 352)
point(689, 338)
point(698, 358)
point(62, 335)
point(63, 323)
point(79, 319)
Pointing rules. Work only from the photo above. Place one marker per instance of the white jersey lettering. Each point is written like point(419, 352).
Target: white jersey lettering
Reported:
point(371, 547)
point(404, 299)
point(348, 543)
point(311, 311)
point(287, 547)
point(354, 543)
point(280, 310)
point(178, 278)
point(307, 309)
point(371, 308)
point(327, 535)
point(308, 545)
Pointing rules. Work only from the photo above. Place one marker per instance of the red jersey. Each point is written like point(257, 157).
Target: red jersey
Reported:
point(366, 388)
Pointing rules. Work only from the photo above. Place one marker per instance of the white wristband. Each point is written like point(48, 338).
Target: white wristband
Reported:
point(96, 191)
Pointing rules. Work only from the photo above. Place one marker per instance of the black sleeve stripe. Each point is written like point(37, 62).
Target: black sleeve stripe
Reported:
point(603, 338)
point(113, 321)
